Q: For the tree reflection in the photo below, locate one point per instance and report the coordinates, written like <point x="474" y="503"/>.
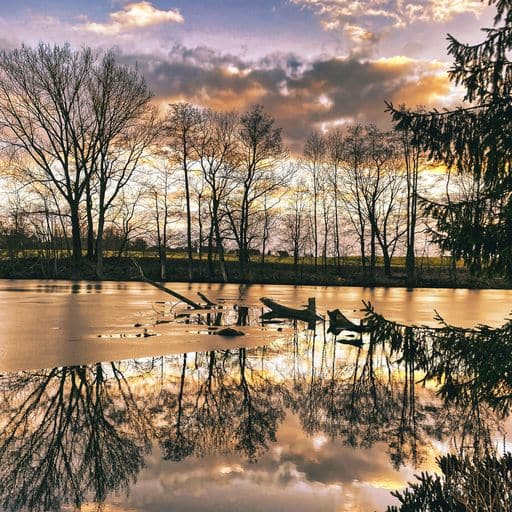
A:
<point x="360" y="399"/>
<point x="178" y="443"/>
<point x="69" y="433"/>
<point x="471" y="371"/>
<point x="79" y="433"/>
<point x="379" y="393"/>
<point x="228" y="408"/>
<point x="469" y="365"/>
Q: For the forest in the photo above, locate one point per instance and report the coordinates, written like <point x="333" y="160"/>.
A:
<point x="94" y="172"/>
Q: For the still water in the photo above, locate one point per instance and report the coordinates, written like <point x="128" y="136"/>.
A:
<point x="95" y="416"/>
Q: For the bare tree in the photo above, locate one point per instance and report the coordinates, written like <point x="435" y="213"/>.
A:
<point x="411" y="158"/>
<point x="160" y="198"/>
<point x="335" y="148"/>
<point x="71" y="120"/>
<point x="261" y="152"/>
<point x="125" y="126"/>
<point x="45" y="116"/>
<point x="182" y="122"/>
<point x="295" y="225"/>
<point x="216" y="149"/>
<point x="268" y="219"/>
<point x="354" y="160"/>
<point x="314" y="153"/>
<point x="381" y="185"/>
<point x="126" y="220"/>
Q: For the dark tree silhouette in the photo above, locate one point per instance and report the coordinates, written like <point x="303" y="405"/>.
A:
<point x="474" y="139"/>
<point x="260" y="151"/>
<point x="71" y="122"/>
<point x="467" y="484"/>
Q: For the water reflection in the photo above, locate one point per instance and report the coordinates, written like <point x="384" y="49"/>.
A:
<point x="68" y="434"/>
<point x="221" y="405"/>
<point x="81" y="434"/>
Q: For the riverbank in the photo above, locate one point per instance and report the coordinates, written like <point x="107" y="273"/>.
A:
<point x="350" y="274"/>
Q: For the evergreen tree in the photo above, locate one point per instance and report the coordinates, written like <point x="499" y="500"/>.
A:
<point x="476" y="140"/>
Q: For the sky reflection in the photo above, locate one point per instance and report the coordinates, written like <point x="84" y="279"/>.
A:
<point x="301" y="424"/>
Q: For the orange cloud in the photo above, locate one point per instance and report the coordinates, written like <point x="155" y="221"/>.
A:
<point x="301" y="95"/>
<point x="427" y="90"/>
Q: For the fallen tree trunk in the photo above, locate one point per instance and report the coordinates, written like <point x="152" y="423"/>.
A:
<point x="207" y="301"/>
<point x="279" y="311"/>
<point x="339" y="322"/>
<point x="163" y="288"/>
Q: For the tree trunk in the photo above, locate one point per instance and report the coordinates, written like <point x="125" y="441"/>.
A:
<point x="99" y="244"/>
<point x="210" y="250"/>
<point x="315" y="223"/>
<point x="90" y="222"/>
<point x="363" y="250"/>
<point x="189" y="225"/>
<point x="162" y="258"/>
<point x="76" y="234"/>
<point x="387" y="261"/>
<point x="200" y="226"/>
<point x="242" y="260"/>
<point x="218" y="238"/>
<point x="243" y="254"/>
<point x="99" y="257"/>
<point x="373" y="253"/>
<point x="220" y="251"/>
<point x="336" y="223"/>
<point x="411" y="157"/>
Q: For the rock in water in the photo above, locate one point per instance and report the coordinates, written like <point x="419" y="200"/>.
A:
<point x="228" y="331"/>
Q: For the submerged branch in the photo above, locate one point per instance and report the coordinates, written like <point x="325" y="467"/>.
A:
<point x="163" y="288"/>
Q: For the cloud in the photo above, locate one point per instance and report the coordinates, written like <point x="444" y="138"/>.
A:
<point x="361" y="40"/>
<point x="445" y="10"/>
<point x="292" y="474"/>
<point x="365" y="20"/>
<point x="301" y="94"/>
<point x="132" y="16"/>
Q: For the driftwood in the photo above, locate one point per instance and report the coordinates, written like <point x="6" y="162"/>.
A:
<point x="163" y="288"/>
<point x="279" y="311"/>
<point x="207" y="301"/>
<point x="339" y="322"/>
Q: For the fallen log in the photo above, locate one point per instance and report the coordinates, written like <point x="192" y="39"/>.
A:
<point x="207" y="301"/>
<point x="163" y="288"/>
<point x="279" y="311"/>
<point x="339" y="322"/>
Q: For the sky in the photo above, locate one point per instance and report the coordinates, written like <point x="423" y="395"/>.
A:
<point x="314" y="64"/>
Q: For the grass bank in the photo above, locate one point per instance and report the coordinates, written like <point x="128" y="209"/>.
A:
<point x="431" y="272"/>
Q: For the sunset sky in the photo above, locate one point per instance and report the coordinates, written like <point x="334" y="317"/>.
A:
<point x="312" y="63"/>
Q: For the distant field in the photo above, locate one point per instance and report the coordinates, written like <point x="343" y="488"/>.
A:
<point x="397" y="261"/>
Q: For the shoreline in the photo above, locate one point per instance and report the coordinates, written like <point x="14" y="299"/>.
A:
<point x="121" y="269"/>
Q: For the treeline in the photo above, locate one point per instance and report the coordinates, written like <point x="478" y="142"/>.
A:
<point x="89" y="164"/>
<point x="217" y="182"/>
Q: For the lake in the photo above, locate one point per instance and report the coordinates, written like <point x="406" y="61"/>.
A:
<point x="116" y="398"/>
